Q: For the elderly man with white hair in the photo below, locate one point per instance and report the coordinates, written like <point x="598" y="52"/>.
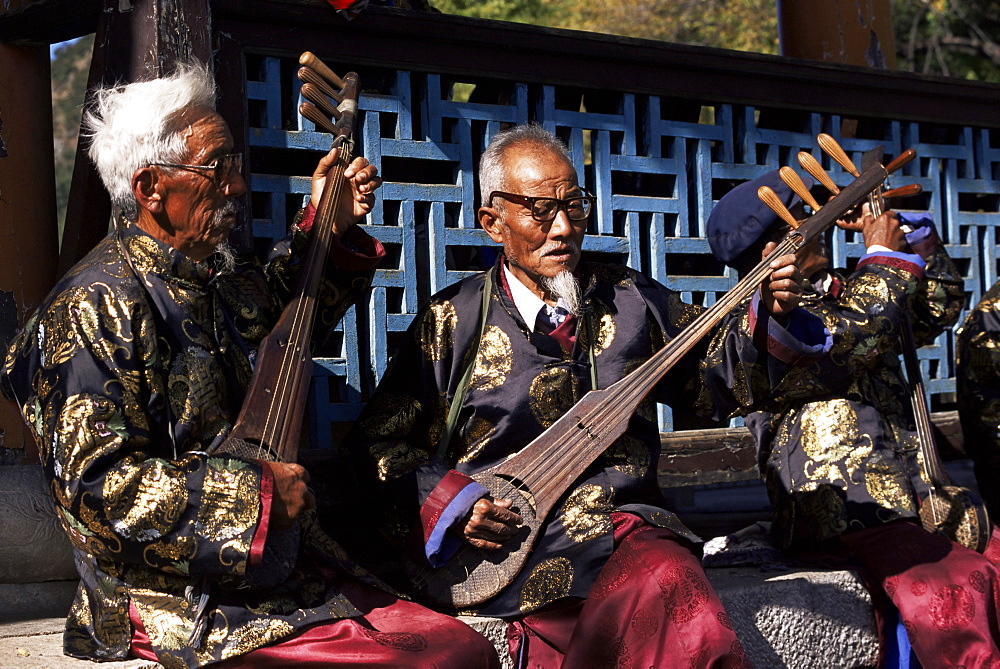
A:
<point x="614" y="579"/>
<point x="134" y="369"/>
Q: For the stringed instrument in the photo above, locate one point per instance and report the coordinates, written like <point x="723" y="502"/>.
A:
<point x="536" y="477"/>
<point x="952" y="511"/>
<point x="269" y="425"/>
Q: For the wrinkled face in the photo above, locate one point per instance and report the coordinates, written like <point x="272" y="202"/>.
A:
<point x="198" y="213"/>
<point x="535" y="250"/>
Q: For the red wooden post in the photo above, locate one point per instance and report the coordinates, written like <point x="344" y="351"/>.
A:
<point x="28" y="231"/>
<point x="853" y="33"/>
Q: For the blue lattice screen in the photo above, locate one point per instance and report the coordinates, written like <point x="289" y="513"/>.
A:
<point x="656" y="165"/>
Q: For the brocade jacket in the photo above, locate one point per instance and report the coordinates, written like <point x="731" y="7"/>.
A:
<point x="127" y="375"/>
<point x="841" y="453"/>
<point x="977" y="354"/>
<point x="522" y="382"/>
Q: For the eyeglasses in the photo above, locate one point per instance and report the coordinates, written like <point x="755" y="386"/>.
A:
<point x="545" y="209"/>
<point x="221" y="168"/>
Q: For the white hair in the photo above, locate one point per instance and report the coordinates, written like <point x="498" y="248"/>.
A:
<point x="133" y="125"/>
<point x="492" y="175"/>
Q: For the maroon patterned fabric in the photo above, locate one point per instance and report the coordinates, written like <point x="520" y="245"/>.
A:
<point x="624" y="622"/>
<point x="393" y="633"/>
<point x="947" y="595"/>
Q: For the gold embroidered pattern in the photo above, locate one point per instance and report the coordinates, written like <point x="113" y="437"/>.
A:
<point x="495" y="360"/>
<point x="144" y="503"/>
<point x="629" y="456"/>
<point x="586" y="514"/>
<point x="230" y="501"/>
<point x="436" y="329"/>
<point x="552" y="393"/>
<point x="549" y="581"/>
<point x="164" y="618"/>
<point x="253" y="635"/>
<point x="88" y="427"/>
<point x="390" y="415"/>
<point x="57" y="340"/>
<point x="478" y="434"/>
<point x="831" y="439"/>
<point x="396" y="458"/>
<point x="889" y="485"/>
<point x="604" y="327"/>
<point x="197" y="391"/>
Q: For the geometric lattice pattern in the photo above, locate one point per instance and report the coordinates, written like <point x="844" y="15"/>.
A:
<point x="657" y="166"/>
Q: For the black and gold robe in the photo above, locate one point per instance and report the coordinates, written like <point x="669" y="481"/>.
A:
<point x="522" y="383"/>
<point x="842" y="451"/>
<point x="127" y="376"/>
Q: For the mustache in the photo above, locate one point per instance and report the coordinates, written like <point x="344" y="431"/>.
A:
<point x="551" y="247"/>
<point x="232" y="207"/>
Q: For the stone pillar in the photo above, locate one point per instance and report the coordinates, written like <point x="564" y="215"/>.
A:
<point x="28" y="229"/>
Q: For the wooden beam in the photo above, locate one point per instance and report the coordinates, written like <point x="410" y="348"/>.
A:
<point x="425" y="41"/>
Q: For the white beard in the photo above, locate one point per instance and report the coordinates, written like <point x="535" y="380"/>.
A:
<point x="225" y="258"/>
<point x="566" y="289"/>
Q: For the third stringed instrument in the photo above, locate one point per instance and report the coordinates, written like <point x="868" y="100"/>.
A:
<point x="950" y="510"/>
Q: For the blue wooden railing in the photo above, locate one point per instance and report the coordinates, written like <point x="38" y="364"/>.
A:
<point x="656" y="161"/>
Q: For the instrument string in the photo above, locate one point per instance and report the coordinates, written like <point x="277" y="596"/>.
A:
<point x="920" y="415"/>
<point x="279" y="419"/>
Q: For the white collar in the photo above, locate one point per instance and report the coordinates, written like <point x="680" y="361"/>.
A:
<point x="528" y="304"/>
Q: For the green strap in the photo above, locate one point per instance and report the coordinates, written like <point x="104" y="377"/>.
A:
<point x="591" y="345"/>
<point x="470" y="364"/>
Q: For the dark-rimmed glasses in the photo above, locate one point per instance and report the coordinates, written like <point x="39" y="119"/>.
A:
<point x="220" y="169"/>
<point x="545" y="209"/>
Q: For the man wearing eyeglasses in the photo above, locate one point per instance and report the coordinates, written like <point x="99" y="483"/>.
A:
<point x="134" y="370"/>
<point x="613" y="579"/>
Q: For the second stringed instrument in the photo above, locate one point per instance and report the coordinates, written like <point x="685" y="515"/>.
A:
<point x="952" y="511"/>
<point x="536" y="477"/>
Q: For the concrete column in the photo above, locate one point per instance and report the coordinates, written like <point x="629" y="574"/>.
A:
<point x="28" y="229"/>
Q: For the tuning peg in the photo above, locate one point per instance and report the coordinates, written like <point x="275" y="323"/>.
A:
<point x="817" y="172"/>
<point x="314" y="95"/>
<point x="310" y="76"/>
<point x="308" y="59"/>
<point x="832" y="148"/>
<point x="309" y="111"/>
<point x="793" y="181"/>
<point x="771" y="199"/>
<point x="900" y="160"/>
<point x="904" y="191"/>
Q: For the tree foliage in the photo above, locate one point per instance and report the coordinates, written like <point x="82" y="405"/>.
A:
<point x="70" y="67"/>
<point x="744" y="25"/>
<point x="956" y="38"/>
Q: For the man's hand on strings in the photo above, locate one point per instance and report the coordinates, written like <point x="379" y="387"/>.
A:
<point x="781" y="291"/>
<point x="490" y="523"/>
<point x="357" y="197"/>
<point x="883" y="231"/>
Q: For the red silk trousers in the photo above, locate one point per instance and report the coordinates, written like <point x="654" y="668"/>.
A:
<point x="651" y="606"/>
<point x="392" y="634"/>
<point x="946" y="594"/>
